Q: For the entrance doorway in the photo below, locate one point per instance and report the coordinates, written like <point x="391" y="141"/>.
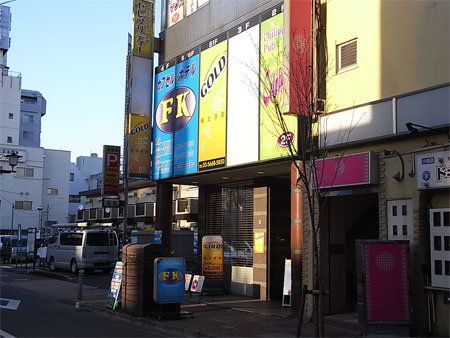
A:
<point x="343" y="220"/>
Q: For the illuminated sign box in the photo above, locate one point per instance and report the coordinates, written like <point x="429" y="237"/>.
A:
<point x="347" y="170"/>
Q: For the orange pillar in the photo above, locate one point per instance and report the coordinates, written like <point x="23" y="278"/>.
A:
<point x="296" y="237"/>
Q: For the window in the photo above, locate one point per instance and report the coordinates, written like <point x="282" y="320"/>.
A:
<point x="107" y="213"/>
<point x="438" y="267"/>
<point x="11" y="116"/>
<point x="9" y="139"/>
<point x="92" y="213"/>
<point x="394" y="230"/>
<point x="23" y="205"/>
<point x="54" y="239"/>
<point x="394" y="210"/>
<point x="437" y="243"/>
<point x="28" y="118"/>
<point x="28" y="135"/>
<point x="346" y="55"/>
<point x="97" y="239"/>
<point x="52" y="191"/>
<point x="28" y="100"/>
<point x="25" y="172"/>
<point x="71" y="238"/>
<point x="120" y="211"/>
<point x="74" y="199"/>
<point x="80" y="215"/>
<point x="140" y="209"/>
<point x="72" y="177"/>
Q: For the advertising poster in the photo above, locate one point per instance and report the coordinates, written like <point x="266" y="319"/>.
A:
<point x="259" y="242"/>
<point x="213" y="103"/>
<point x="139" y="146"/>
<point x="114" y="289"/>
<point x="274" y="141"/>
<point x="164" y="116"/>
<point x="186" y="101"/>
<point x="143" y="20"/>
<point x="243" y="82"/>
<point x="212" y="256"/>
<point x="197" y="283"/>
<point x="169" y="280"/>
<point x="111" y="170"/>
<point x="175" y="11"/>
<point x="31" y="241"/>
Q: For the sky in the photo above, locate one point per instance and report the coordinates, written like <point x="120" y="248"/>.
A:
<point x="74" y="53"/>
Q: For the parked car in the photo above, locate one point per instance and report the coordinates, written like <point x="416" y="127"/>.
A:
<point x="18" y="249"/>
<point x="5" y="249"/>
<point x="87" y="249"/>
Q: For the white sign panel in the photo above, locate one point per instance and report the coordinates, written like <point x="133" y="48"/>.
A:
<point x="175" y="10"/>
<point x="243" y="80"/>
<point x="433" y="170"/>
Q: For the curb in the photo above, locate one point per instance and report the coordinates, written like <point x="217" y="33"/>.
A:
<point x="158" y="325"/>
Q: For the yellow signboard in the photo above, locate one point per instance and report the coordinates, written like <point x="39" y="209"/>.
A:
<point x="212" y="256"/>
<point x="258" y="242"/>
<point x="139" y="146"/>
<point x="143" y="30"/>
<point x="213" y="106"/>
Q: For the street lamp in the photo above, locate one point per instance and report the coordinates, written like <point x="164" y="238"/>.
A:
<point x="13" y="159"/>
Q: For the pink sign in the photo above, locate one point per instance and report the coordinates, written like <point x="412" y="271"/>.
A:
<point x="386" y="279"/>
<point x="354" y="169"/>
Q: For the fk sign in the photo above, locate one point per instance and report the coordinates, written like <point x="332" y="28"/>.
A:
<point x="111" y="170"/>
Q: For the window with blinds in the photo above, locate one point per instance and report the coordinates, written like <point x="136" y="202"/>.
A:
<point x="230" y="215"/>
<point x="346" y="55"/>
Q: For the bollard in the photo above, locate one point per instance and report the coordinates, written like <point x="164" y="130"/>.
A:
<point x="80" y="284"/>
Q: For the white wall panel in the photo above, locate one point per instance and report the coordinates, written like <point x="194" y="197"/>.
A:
<point x="243" y="79"/>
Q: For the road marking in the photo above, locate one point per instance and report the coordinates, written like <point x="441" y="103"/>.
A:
<point x="6" y="266"/>
<point x="12" y="304"/>
<point x="4" y="334"/>
<point x="20" y="279"/>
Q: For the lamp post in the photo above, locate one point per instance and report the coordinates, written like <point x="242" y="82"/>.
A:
<point x="13" y="159"/>
<point x="12" y="218"/>
<point x="39" y="209"/>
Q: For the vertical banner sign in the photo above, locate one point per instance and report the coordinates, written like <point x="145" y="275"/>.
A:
<point x="212" y="256"/>
<point x="143" y="20"/>
<point x="274" y="140"/>
<point x="243" y="82"/>
<point x="213" y="103"/>
<point x="164" y="119"/>
<point x="31" y="241"/>
<point x="175" y="11"/>
<point x="169" y="280"/>
<point x="114" y="289"/>
<point x="186" y="126"/>
<point x="111" y="170"/>
<point x="139" y="146"/>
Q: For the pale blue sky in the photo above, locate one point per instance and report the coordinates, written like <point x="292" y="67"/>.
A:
<point x="74" y="53"/>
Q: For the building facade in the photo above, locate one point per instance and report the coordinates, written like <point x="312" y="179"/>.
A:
<point x="384" y="76"/>
<point x="37" y="193"/>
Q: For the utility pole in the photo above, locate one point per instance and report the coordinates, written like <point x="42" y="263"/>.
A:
<point x="12" y="218"/>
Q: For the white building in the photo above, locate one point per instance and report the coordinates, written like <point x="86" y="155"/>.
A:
<point x="85" y="175"/>
<point x="37" y="193"/>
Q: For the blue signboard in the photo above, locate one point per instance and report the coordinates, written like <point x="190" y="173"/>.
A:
<point x="169" y="280"/>
<point x="164" y="114"/>
<point x="186" y="135"/>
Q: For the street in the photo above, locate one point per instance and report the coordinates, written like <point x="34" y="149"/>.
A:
<point x="25" y="313"/>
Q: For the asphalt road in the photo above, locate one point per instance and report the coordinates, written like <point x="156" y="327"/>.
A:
<point x="27" y="314"/>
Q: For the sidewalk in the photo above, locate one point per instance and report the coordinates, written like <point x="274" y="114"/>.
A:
<point x="217" y="316"/>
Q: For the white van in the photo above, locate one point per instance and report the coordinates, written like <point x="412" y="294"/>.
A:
<point x="87" y="249"/>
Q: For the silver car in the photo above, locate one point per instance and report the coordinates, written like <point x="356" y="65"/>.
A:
<point x="86" y="249"/>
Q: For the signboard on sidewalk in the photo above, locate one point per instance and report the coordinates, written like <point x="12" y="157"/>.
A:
<point x="169" y="282"/>
<point x="197" y="283"/>
<point x="114" y="289"/>
<point x="287" y="283"/>
<point x="212" y="256"/>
